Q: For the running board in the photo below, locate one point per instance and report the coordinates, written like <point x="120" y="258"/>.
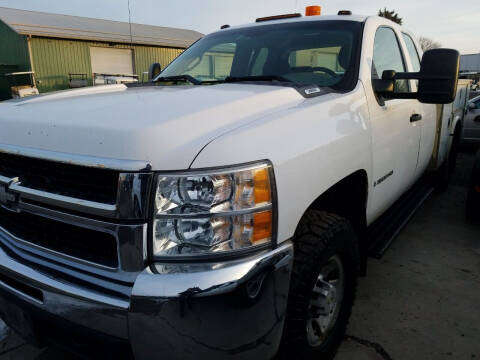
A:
<point x="384" y="230"/>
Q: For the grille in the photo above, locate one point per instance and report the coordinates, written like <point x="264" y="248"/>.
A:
<point x="80" y="182"/>
<point x="86" y="244"/>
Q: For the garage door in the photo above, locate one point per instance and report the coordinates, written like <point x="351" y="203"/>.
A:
<point x="111" y="61"/>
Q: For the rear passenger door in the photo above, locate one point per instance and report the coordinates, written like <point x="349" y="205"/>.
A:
<point x="395" y="137"/>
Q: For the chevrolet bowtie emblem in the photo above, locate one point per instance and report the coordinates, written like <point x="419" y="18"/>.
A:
<point x="8" y="199"/>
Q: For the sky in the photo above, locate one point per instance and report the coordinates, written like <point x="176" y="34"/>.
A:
<point x="455" y="24"/>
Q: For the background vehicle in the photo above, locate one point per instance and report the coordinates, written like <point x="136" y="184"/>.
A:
<point x="226" y="208"/>
<point x="471" y="127"/>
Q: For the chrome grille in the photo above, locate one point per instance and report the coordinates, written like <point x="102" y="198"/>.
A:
<point x="92" y="184"/>
<point x="78" y="242"/>
<point x="82" y="215"/>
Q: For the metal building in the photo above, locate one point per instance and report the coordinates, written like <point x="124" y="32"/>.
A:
<point x="55" y="46"/>
<point x="470" y="63"/>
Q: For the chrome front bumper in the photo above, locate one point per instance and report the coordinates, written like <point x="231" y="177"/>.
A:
<point x="232" y="309"/>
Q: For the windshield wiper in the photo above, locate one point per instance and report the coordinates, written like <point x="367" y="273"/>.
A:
<point x="231" y="79"/>
<point x="228" y="79"/>
<point x="188" y="78"/>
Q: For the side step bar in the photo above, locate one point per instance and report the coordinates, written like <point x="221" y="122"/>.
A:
<point x="384" y="230"/>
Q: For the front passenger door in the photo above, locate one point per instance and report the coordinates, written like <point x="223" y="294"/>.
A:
<point x="395" y="137"/>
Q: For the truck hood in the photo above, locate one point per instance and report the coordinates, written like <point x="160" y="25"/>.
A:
<point x="166" y="126"/>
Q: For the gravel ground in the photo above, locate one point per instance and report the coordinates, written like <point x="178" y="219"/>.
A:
<point x="420" y="301"/>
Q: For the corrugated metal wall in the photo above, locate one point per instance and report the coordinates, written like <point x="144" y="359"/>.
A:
<point x="54" y="59"/>
<point x="13" y="56"/>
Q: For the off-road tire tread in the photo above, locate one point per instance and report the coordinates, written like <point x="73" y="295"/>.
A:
<point x="318" y="233"/>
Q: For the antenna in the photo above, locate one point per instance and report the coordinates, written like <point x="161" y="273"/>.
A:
<point x="130" y="24"/>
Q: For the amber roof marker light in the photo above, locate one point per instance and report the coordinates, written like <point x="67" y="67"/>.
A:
<point x="313" y="10"/>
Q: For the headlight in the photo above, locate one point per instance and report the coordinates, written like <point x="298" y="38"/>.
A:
<point x="209" y="212"/>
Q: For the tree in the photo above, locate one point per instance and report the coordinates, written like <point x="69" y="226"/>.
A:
<point x="428" y="44"/>
<point x="391" y="15"/>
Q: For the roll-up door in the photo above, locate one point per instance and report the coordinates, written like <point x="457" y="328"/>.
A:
<point x="111" y="61"/>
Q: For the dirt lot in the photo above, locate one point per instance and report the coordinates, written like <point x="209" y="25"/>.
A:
<point x="420" y="301"/>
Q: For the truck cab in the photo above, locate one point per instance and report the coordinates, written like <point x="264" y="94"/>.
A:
<point x="221" y="210"/>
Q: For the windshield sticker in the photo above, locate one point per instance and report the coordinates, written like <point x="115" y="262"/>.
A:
<point x="313" y="90"/>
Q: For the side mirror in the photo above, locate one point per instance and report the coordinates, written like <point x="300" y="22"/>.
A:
<point x="154" y="70"/>
<point x="437" y="79"/>
<point x="439" y="76"/>
<point x="472" y="106"/>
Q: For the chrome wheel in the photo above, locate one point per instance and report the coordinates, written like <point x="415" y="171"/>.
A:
<point x="326" y="300"/>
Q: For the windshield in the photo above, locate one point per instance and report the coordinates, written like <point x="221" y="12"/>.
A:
<point x="311" y="52"/>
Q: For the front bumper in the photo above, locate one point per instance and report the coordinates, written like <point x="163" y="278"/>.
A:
<point x="232" y="309"/>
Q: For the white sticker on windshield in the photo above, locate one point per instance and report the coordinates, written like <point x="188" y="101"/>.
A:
<point x="312" y="91"/>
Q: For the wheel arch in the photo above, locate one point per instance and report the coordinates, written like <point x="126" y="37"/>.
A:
<point x="348" y="198"/>
<point x="457" y="125"/>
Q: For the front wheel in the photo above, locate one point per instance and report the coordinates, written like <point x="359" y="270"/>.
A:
<point x="322" y="289"/>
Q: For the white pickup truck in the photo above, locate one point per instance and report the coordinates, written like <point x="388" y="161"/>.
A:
<point x="222" y="210"/>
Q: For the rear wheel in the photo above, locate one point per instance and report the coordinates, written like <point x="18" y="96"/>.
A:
<point x="446" y="170"/>
<point x="322" y="289"/>
<point x="471" y="208"/>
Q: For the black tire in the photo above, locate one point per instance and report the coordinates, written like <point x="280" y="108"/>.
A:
<point x="471" y="206"/>
<point x="319" y="237"/>
<point x="446" y="170"/>
<point x="442" y="177"/>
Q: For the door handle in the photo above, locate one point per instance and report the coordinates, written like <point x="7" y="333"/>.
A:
<point x="415" y="117"/>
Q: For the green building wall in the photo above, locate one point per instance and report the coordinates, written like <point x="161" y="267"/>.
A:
<point x="13" y="56"/>
<point x="54" y="59"/>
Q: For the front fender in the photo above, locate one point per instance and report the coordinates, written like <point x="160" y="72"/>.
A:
<point x="312" y="146"/>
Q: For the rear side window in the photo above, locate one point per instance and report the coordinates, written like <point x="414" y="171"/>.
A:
<point x="412" y="51"/>
<point x="387" y="55"/>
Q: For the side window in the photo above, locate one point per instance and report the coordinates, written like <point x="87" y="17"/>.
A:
<point x="388" y="56"/>
<point x="412" y="51"/>
<point x="478" y="104"/>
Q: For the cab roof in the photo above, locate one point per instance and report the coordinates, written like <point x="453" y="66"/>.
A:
<point x="356" y="18"/>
